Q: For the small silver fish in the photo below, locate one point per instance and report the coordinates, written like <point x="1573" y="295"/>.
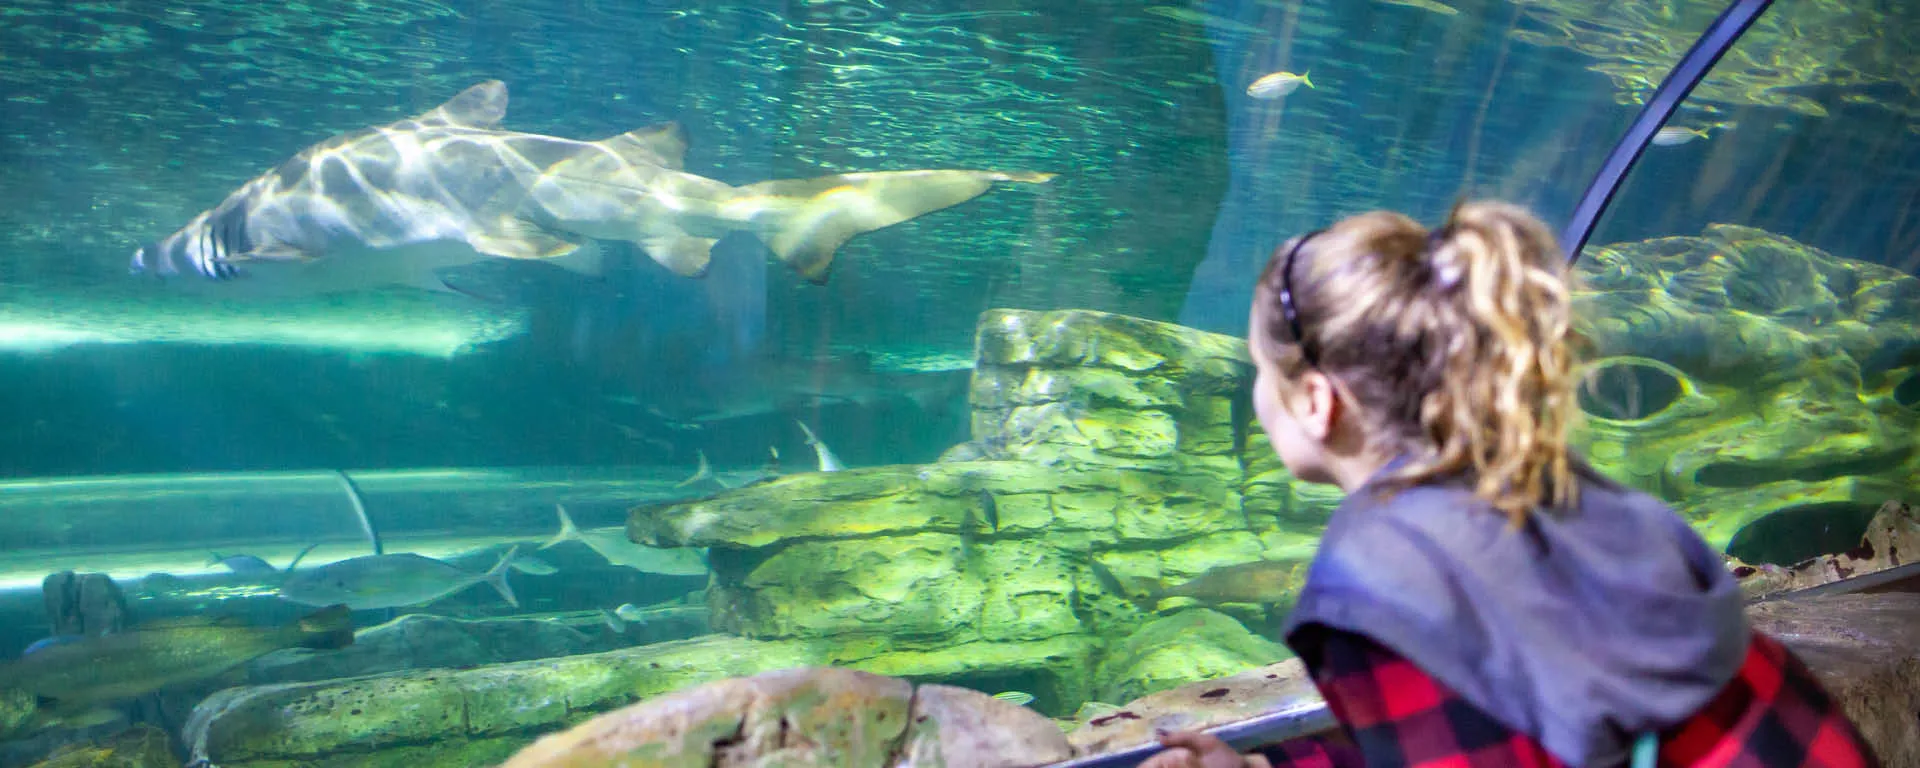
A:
<point x="630" y="612"/>
<point x="1278" y="84"/>
<point x="1018" y="698"/>
<point x="828" y="461"/>
<point x="392" y="581"/>
<point x="1673" y="135"/>
<point x="612" y="543"/>
<point x="1427" y="5"/>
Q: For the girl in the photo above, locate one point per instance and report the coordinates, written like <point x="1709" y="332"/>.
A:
<point x="1482" y="597"/>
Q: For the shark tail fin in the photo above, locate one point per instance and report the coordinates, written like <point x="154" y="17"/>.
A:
<point x="804" y="221"/>
<point x="497" y="577"/>
<point x="704" y="472"/>
<point x="568" y="531"/>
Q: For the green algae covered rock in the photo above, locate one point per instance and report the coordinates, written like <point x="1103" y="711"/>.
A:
<point x="798" y="717"/>
<point x="142" y="746"/>
<point x="445" y="717"/>
<point x="312" y="719"/>
<point x="854" y="503"/>
<point x="1087" y="387"/>
<point x="17" y="708"/>
<point x="1739" y="374"/>
<point x="1194" y="644"/>
<point x="1100" y="441"/>
<point x="807" y="717"/>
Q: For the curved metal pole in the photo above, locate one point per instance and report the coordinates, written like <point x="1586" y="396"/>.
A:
<point x="1705" y="52"/>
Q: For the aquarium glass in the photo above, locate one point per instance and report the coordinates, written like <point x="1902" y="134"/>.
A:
<point x="588" y="351"/>
<point x="1753" y="293"/>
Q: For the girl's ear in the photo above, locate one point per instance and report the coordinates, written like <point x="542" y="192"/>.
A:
<point x="1318" y="406"/>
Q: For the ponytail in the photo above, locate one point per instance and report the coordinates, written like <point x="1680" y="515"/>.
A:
<point x="1457" y="343"/>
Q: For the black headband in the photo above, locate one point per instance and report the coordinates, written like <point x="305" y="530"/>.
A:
<point x="1435" y="238"/>
<point x="1286" y="300"/>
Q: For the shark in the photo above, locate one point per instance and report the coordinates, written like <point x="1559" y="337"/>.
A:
<point x="396" y="203"/>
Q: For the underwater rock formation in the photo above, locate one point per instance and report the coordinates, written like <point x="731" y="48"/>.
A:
<point x="83" y="604"/>
<point x="1107" y="467"/>
<point x="444" y="717"/>
<point x="17" y="708"/>
<point x="1194" y="644"/>
<point x="1739" y="375"/>
<point x="807" y="717"/>
<point x="1198" y="705"/>
<point x="1892" y="539"/>
<point x="449" y="717"/>
<point x="142" y="746"/>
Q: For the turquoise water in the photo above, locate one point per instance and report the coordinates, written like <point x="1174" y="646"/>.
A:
<point x="145" y="426"/>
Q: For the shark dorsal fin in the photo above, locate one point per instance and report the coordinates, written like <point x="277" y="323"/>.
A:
<point x="481" y="106"/>
<point x="665" y="144"/>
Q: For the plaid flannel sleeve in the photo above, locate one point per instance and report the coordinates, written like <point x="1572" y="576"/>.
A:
<point x="1774" y="714"/>
<point x="1395" y="715"/>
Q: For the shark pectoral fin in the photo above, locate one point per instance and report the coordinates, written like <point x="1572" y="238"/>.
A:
<point x="686" y="255"/>
<point x="511" y="238"/>
<point x="805" y="221"/>
<point x="664" y="144"/>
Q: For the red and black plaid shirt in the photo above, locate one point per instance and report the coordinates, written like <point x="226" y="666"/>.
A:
<point x="1774" y="714"/>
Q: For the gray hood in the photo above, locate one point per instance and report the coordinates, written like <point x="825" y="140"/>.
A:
<point x="1581" y="629"/>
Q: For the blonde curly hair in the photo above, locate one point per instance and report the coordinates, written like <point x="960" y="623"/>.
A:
<point x="1457" y="343"/>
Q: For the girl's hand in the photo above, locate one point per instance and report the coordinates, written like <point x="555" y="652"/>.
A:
<point x="1194" y="749"/>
